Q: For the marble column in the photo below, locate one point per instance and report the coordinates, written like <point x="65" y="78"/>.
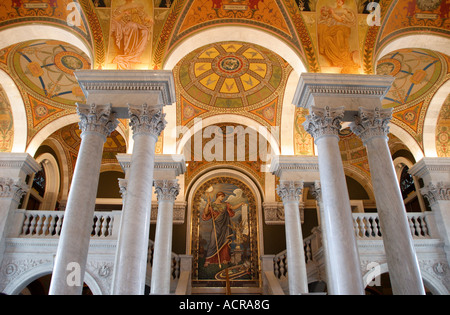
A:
<point x="435" y="173"/>
<point x="147" y="124"/>
<point x="294" y="172"/>
<point x="167" y="190"/>
<point x="96" y="123"/>
<point x="371" y="125"/>
<point x="344" y="268"/>
<point x="290" y="192"/>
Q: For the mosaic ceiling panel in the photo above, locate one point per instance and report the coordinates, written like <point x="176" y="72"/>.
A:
<point x="418" y="75"/>
<point x="231" y="77"/>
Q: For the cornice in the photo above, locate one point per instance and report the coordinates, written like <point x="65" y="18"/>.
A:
<point x="341" y="85"/>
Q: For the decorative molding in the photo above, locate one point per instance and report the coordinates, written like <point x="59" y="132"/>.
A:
<point x="166" y="189"/>
<point x="273" y="213"/>
<point x="339" y="85"/>
<point x="12" y="188"/>
<point x="179" y="212"/>
<point x="20" y="161"/>
<point x="436" y="192"/>
<point x="324" y="122"/>
<point x="372" y="123"/>
<point x="289" y="164"/>
<point x="96" y="118"/>
<point x="123" y="183"/>
<point x="146" y="121"/>
<point x="290" y="191"/>
<point x="137" y="85"/>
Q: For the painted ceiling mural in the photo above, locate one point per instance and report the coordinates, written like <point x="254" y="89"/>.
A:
<point x="231" y="77"/>
<point x="418" y="73"/>
<point x="227" y="77"/>
<point x="43" y="71"/>
<point x="6" y="123"/>
<point x="443" y="130"/>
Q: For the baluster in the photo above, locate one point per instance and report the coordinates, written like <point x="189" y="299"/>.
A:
<point x="58" y="225"/>
<point x="424" y="225"/>
<point x="110" y="226"/>
<point x="96" y="225"/>
<point x="356" y="226"/>
<point x="308" y="254"/>
<point x="366" y="229"/>
<point x="276" y="267"/>
<point x="375" y="225"/>
<point x="51" y="226"/>
<point x="32" y="224"/>
<point x="25" y="224"/>
<point x="45" y="224"/>
<point x="411" y="226"/>
<point x="104" y="225"/>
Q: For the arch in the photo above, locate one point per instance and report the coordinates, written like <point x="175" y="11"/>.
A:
<point x="408" y="140"/>
<point x="19" y="283"/>
<point x="18" y="112"/>
<point x="199" y="124"/>
<point x="57" y="124"/>
<point x="431" y="118"/>
<point x="288" y="116"/>
<point x="431" y="282"/>
<point x="52" y="182"/>
<point x="34" y="31"/>
<point x="439" y="43"/>
<point x="235" y="33"/>
<point x="232" y="171"/>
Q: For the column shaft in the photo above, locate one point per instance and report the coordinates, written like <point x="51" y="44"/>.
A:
<point x="404" y="272"/>
<point x="289" y="192"/>
<point x="73" y="246"/>
<point x="132" y="251"/>
<point x="344" y="273"/>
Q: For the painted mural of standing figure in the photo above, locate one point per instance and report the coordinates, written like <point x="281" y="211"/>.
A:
<point x="131" y="28"/>
<point x="220" y="212"/>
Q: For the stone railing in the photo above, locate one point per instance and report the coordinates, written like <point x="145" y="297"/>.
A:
<point x="367" y="228"/>
<point x="367" y="225"/>
<point x="47" y="224"/>
<point x="43" y="227"/>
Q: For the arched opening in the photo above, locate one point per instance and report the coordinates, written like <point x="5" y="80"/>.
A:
<point x="40" y="286"/>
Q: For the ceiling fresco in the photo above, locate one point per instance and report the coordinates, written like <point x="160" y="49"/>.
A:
<point x="43" y="72"/>
<point x="418" y="73"/>
<point x="225" y="77"/>
<point x="231" y="77"/>
<point x="6" y="123"/>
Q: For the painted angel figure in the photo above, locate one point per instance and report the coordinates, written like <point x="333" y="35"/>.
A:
<point x="131" y="29"/>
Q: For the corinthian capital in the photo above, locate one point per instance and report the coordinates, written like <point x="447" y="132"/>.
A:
<point x="97" y="118"/>
<point x="324" y="121"/>
<point x="12" y="188"/>
<point x="434" y="193"/>
<point x="372" y="123"/>
<point x="166" y="189"/>
<point x="146" y="120"/>
<point x="290" y="190"/>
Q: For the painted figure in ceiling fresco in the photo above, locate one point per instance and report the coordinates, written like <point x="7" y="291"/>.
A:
<point x="131" y="28"/>
<point x="334" y="30"/>
<point x="220" y="213"/>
